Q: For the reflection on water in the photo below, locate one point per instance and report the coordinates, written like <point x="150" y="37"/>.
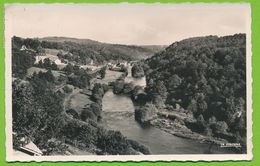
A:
<point x="136" y="81"/>
<point x="118" y="114"/>
<point x="116" y="103"/>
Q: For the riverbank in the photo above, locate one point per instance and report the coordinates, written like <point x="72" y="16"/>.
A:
<point x="119" y="114"/>
<point x="175" y="127"/>
<point x="182" y="124"/>
<point x="178" y="128"/>
<point x="173" y="122"/>
<point x="84" y="110"/>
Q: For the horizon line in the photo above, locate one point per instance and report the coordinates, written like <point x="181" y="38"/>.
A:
<point x="78" y="38"/>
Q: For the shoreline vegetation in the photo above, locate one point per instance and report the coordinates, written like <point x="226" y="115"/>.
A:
<point x="82" y="133"/>
<point x="44" y="114"/>
<point x="182" y="96"/>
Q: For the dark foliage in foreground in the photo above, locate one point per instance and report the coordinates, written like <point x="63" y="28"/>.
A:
<point x="21" y="60"/>
<point x="37" y="110"/>
<point x="38" y="101"/>
<point x="39" y="116"/>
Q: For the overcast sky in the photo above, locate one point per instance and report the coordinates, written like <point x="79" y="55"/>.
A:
<point x="127" y="23"/>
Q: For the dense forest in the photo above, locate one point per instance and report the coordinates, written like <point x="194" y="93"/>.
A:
<point x="38" y="116"/>
<point x="83" y="51"/>
<point x="204" y="77"/>
<point x="39" y="113"/>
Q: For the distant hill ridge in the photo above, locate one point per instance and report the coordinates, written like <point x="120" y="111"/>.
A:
<point x="120" y="51"/>
<point x="69" y="39"/>
<point x="153" y="48"/>
<point x="85" y="50"/>
<point x="90" y="41"/>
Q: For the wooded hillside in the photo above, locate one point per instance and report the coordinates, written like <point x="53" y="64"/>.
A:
<point x="206" y="77"/>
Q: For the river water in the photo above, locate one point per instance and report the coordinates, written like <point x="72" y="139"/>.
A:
<point x="118" y="114"/>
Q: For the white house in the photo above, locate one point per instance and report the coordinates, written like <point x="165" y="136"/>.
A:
<point x="24" y="48"/>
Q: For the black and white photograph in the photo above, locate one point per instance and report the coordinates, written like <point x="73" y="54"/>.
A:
<point x="128" y="82"/>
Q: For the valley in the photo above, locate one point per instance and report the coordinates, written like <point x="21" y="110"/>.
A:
<point x="89" y="97"/>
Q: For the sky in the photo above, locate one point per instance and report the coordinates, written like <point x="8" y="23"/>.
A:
<point x="139" y="24"/>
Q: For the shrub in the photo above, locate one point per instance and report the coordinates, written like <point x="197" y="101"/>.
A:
<point x="73" y="113"/>
<point x="113" y="142"/>
<point x="88" y="114"/>
<point x="67" y="89"/>
<point x="96" y="109"/>
<point x="137" y="71"/>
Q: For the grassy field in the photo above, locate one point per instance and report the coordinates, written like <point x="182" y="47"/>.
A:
<point x="52" y="51"/>
<point x="78" y="101"/>
<point x="110" y="77"/>
<point x="31" y="70"/>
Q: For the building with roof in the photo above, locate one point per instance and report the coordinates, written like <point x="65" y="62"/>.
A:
<point x="29" y="149"/>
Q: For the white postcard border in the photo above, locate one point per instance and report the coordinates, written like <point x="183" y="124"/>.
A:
<point x="180" y="157"/>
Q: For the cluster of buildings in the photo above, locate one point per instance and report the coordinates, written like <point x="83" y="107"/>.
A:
<point x="117" y="66"/>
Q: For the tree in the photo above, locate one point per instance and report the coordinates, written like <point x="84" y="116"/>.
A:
<point x="54" y="146"/>
<point x="47" y="76"/>
<point x="73" y="113"/>
<point x="21" y="61"/>
<point x="54" y="66"/>
<point x="146" y="113"/>
<point x="137" y="71"/>
<point x="40" y="63"/>
<point x="88" y="114"/>
<point x="161" y="90"/>
<point x="97" y="92"/>
<point x="125" y="70"/>
<point x="68" y="68"/>
<point x="32" y="43"/>
<point x="201" y="123"/>
<point x="103" y="72"/>
<point x="81" y="81"/>
<point x="113" y="142"/>
<point x="128" y="88"/>
<point x="220" y="127"/>
<point x="159" y="102"/>
<point x="174" y="82"/>
<point x="26" y="112"/>
<point x="118" y="87"/>
<point x="68" y="89"/>
<point x="206" y="75"/>
<point x="47" y="63"/>
<point x="193" y="106"/>
<point x="105" y="87"/>
<point x="36" y="110"/>
<point x="96" y="109"/>
<point x="201" y="104"/>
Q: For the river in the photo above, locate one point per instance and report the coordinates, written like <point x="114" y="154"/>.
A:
<point x="118" y="114"/>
